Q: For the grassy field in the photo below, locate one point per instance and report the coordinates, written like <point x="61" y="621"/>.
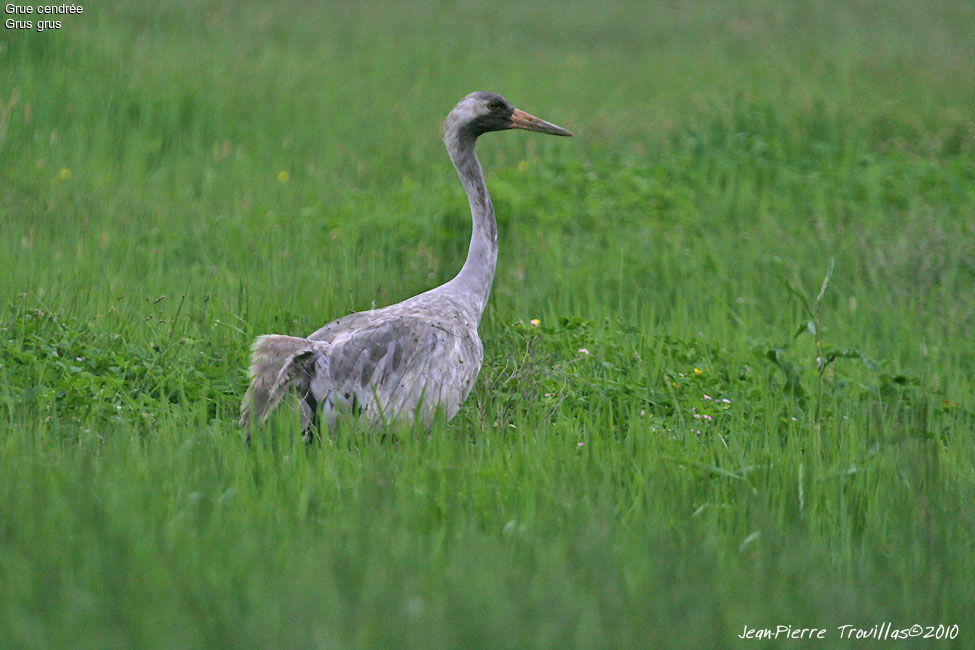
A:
<point x="662" y="461"/>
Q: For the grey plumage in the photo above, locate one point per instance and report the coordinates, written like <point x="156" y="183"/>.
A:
<point x="409" y="359"/>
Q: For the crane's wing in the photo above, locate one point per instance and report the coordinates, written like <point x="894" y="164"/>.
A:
<point x="401" y="366"/>
<point x="347" y="323"/>
<point x="392" y="367"/>
<point x="278" y="365"/>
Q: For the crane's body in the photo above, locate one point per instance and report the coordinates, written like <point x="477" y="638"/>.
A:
<point x="407" y="360"/>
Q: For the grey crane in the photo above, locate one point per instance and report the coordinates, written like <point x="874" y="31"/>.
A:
<point x="409" y="359"/>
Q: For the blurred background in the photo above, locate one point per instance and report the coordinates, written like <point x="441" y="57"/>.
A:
<point x="188" y="128"/>
<point x="155" y="138"/>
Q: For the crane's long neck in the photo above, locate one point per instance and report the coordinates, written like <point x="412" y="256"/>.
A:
<point x="473" y="283"/>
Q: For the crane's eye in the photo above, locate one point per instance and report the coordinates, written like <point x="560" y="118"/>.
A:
<point x="495" y="106"/>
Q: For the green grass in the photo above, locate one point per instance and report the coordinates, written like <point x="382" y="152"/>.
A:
<point x="728" y="157"/>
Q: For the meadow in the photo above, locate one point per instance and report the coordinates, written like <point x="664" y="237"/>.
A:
<point x="728" y="354"/>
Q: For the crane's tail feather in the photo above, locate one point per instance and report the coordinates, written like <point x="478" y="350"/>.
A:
<point x="278" y="365"/>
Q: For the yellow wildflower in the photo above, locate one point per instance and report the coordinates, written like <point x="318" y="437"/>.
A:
<point x="283" y="176"/>
<point x="64" y="174"/>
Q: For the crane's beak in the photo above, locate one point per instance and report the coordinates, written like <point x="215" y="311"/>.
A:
<point x="522" y="120"/>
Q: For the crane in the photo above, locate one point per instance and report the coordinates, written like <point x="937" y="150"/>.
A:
<point x="407" y="360"/>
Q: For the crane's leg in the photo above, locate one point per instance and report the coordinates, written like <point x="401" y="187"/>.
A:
<point x="310" y="420"/>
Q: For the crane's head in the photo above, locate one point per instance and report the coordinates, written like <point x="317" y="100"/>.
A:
<point x="481" y="112"/>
